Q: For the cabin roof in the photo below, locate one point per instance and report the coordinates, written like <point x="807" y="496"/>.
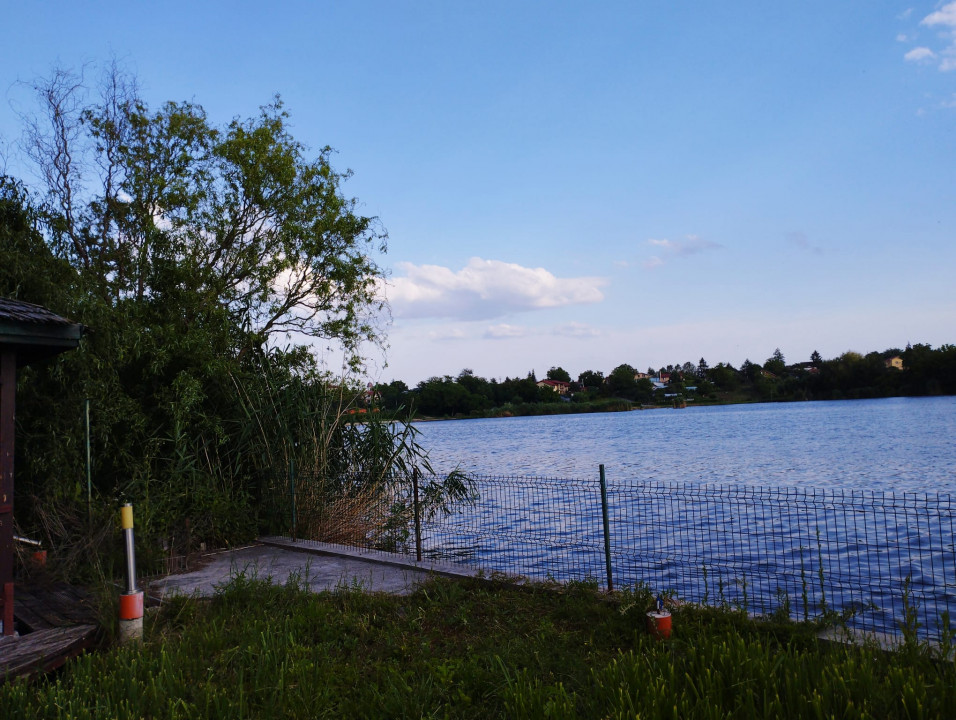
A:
<point x="35" y="333"/>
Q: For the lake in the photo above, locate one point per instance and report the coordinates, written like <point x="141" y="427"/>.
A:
<point x="817" y="505"/>
<point x="900" y="444"/>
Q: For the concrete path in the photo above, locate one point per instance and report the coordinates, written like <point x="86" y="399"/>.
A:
<point x="320" y="565"/>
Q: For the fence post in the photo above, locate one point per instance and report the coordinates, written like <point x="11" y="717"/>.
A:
<point x="89" y="465"/>
<point x="607" y="530"/>
<point x="292" y="496"/>
<point x="418" y="517"/>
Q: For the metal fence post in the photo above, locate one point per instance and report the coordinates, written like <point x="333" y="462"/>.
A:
<point x="418" y="517"/>
<point x="607" y="530"/>
<point x="292" y="495"/>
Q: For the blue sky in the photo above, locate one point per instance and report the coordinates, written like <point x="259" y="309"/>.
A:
<point x="590" y="184"/>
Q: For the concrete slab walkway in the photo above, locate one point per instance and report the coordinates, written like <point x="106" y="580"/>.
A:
<point x="322" y="566"/>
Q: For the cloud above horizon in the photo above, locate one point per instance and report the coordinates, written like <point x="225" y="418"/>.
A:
<point x="576" y="330"/>
<point x="504" y="331"/>
<point x="919" y="53"/>
<point x="943" y="19"/>
<point x="485" y="289"/>
<point x="690" y="245"/>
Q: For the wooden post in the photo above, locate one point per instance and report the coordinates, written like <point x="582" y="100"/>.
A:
<point x="8" y="388"/>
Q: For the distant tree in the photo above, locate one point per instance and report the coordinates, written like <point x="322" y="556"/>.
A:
<point x="480" y="389"/>
<point x="776" y="363"/>
<point x="705" y="387"/>
<point x="394" y="395"/>
<point x="724" y="376"/>
<point x="621" y="382"/>
<point x="749" y="370"/>
<point x="702" y="368"/>
<point x="591" y="379"/>
<point x="560" y="374"/>
<point x="815" y="358"/>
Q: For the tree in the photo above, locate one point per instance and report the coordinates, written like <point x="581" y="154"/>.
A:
<point x="702" y="368"/>
<point x="621" y="382"/>
<point x="724" y="376"/>
<point x="591" y="379"/>
<point x="815" y="358"/>
<point x="559" y="373"/>
<point x="189" y="250"/>
<point x="161" y="207"/>
<point x="776" y="363"/>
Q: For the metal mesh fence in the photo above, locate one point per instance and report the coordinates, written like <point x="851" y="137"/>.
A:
<point x="801" y="551"/>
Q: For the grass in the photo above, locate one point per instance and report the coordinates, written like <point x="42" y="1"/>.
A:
<point x="476" y="649"/>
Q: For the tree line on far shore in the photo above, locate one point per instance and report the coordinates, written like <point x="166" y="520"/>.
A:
<point x="924" y="371"/>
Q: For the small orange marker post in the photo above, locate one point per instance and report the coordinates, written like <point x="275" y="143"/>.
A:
<point x="131" y="602"/>
<point x="658" y="621"/>
<point x="659" y="624"/>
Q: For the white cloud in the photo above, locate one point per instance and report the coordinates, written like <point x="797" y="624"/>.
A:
<point x="945" y="19"/>
<point x="485" y="289"/>
<point x="503" y="331"/>
<point x="690" y="245"/>
<point x="902" y="37"/>
<point x="918" y="54"/>
<point x="443" y="334"/>
<point x="946" y="15"/>
<point x="576" y="330"/>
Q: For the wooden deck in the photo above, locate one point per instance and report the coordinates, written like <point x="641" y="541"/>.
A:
<point x="57" y="622"/>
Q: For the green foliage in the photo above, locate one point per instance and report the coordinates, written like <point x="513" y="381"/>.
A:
<point x="559" y="373"/>
<point x="476" y="649"/>
<point x="591" y="380"/>
<point x="186" y="249"/>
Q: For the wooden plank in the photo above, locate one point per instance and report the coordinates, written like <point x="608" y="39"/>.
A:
<point x="56" y="605"/>
<point x="44" y="650"/>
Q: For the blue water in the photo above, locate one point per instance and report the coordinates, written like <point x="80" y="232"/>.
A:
<point x="835" y="504"/>
<point x="900" y="444"/>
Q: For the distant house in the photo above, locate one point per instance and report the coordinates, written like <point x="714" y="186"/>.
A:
<point x="641" y="376"/>
<point x="895" y="362"/>
<point x="559" y="386"/>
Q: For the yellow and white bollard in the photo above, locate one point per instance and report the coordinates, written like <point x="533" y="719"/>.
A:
<point x="131" y="602"/>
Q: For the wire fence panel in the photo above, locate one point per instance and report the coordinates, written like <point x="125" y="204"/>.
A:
<point x="541" y="528"/>
<point x="800" y="551"/>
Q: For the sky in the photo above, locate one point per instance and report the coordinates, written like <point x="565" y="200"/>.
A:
<point x="588" y="184"/>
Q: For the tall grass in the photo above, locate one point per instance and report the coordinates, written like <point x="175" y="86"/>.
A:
<point x="329" y="473"/>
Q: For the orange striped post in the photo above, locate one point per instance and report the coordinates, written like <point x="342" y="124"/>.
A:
<point x="131" y="602"/>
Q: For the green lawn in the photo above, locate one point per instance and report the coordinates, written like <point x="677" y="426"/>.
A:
<point x="477" y="649"/>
